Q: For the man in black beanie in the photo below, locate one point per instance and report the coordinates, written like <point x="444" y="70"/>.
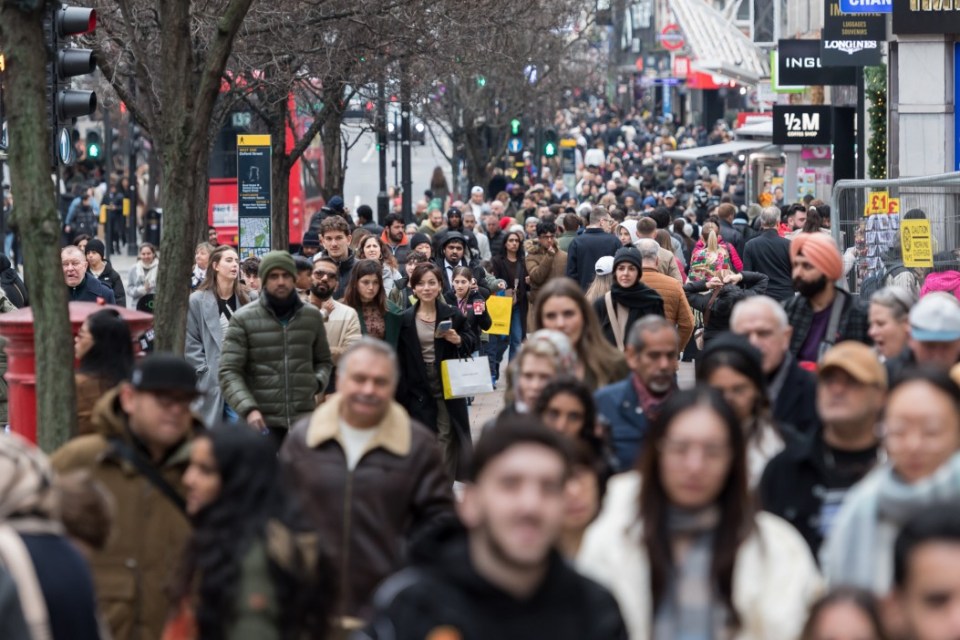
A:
<point x="275" y="353"/>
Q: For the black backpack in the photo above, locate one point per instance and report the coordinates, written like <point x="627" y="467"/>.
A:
<point x="85" y="222"/>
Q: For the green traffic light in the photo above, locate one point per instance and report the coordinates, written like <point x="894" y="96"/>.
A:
<point x="481" y="81"/>
<point x="549" y="149"/>
<point x="93" y="150"/>
<point x="515" y="127"/>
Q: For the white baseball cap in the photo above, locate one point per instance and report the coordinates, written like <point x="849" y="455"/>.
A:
<point x="604" y="266"/>
<point x="476" y="190"/>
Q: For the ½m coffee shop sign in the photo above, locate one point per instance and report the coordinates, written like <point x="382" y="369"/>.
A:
<point x="802" y="124"/>
<point x="926" y="16"/>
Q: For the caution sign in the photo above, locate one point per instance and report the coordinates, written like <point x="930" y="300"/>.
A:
<point x="916" y="243"/>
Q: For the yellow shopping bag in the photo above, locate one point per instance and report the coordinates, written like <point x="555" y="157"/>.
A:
<point x="499" y="308"/>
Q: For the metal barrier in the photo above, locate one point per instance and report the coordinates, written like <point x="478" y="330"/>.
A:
<point x="871" y="244"/>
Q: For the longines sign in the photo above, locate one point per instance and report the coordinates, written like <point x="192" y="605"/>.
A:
<point x="926" y="16"/>
<point x="799" y="63"/>
<point x="851" y="40"/>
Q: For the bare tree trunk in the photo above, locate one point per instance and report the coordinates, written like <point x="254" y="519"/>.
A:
<point x="35" y="216"/>
<point x="280" y="186"/>
<point x="332" y="156"/>
<point x="183" y="130"/>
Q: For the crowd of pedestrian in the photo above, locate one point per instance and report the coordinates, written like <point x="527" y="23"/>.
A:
<point x="307" y="469"/>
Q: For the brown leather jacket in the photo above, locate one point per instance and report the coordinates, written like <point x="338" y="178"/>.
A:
<point x="367" y="516"/>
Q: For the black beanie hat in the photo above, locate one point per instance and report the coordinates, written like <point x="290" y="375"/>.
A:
<point x="417" y="239"/>
<point x="726" y="342"/>
<point x="96" y="246"/>
<point x="628" y="254"/>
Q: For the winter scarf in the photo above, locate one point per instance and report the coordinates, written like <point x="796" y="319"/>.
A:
<point x="859" y="550"/>
<point x="639" y="296"/>
<point x="689" y="608"/>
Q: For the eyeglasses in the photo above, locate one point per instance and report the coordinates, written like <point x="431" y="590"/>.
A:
<point x="679" y="449"/>
<point x="896" y="434"/>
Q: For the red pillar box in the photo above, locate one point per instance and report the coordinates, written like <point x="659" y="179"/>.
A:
<point x="17" y="328"/>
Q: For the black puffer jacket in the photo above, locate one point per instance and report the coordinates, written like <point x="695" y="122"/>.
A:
<point x="112" y="279"/>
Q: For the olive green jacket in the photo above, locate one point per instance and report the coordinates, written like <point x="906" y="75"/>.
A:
<point x="275" y="367"/>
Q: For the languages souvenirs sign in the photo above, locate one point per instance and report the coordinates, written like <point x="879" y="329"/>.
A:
<point x="799" y="64"/>
<point x="802" y="124"/>
<point x="851" y="40"/>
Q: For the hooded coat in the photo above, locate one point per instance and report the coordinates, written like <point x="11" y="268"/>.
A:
<point x="12" y="285"/>
<point x="149" y="531"/>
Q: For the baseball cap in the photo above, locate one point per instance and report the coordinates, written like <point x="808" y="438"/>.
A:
<point x="604" y="266"/>
<point x="857" y="360"/>
<point x="476" y="190"/>
<point x="165" y="372"/>
<point x="935" y="318"/>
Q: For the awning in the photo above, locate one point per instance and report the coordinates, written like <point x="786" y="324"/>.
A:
<point x="718" y="46"/>
<point x="715" y="150"/>
<point x="761" y="129"/>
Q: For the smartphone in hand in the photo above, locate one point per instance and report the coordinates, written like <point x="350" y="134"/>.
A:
<point x="444" y="326"/>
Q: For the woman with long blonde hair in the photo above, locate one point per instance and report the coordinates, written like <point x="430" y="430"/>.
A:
<point x="562" y="306"/>
<point x="710" y="256"/>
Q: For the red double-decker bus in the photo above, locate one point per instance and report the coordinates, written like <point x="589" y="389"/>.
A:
<point x="306" y="176"/>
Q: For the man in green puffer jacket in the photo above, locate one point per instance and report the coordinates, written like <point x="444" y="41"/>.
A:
<point x="275" y="353"/>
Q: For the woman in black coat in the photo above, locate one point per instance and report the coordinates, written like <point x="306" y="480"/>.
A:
<point x="730" y="288"/>
<point x="12" y="285"/>
<point x="420" y="351"/>
<point x="628" y="294"/>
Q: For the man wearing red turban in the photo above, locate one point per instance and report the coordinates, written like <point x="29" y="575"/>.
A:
<point x="821" y="314"/>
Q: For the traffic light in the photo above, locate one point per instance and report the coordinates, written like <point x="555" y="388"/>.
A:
<point x="94" y="145"/>
<point x="516" y="128"/>
<point x="550" y="143"/>
<point x="66" y="104"/>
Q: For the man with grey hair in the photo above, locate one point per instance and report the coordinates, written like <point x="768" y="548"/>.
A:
<point x="371" y="477"/>
<point x="792" y="390"/>
<point x="630" y="405"/>
<point x="675" y="305"/>
<point x="593" y="244"/>
<point x="82" y="286"/>
<point x="770" y="254"/>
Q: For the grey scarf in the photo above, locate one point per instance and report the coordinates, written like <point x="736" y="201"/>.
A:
<point x="882" y="497"/>
<point x="690" y="610"/>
